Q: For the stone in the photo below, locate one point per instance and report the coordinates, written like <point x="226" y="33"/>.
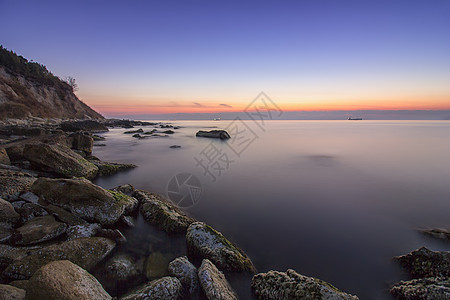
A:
<point x="137" y="135"/>
<point x="59" y="159"/>
<point x="6" y="233"/>
<point x="168" y="288"/>
<point x="168" y="131"/>
<point x="38" y="230"/>
<point x="82" y="230"/>
<point x="126" y="189"/>
<point x="291" y="285"/>
<point x="7" y="213"/>
<point x="85" y="125"/>
<point x="162" y="213"/>
<point x="29" y="211"/>
<point x="204" y="241"/>
<point x="82" y="141"/>
<point x="4" y="158"/>
<point x="121" y="270"/>
<point x="214" y="283"/>
<point x="63" y="280"/>
<point x="112" y="234"/>
<point x="20" y="284"/>
<point x="216" y="134"/>
<point x="439" y="233"/>
<point x="426" y="263"/>
<point x="109" y="168"/>
<point x="175" y="146"/>
<point x="9" y="292"/>
<point x="140" y="130"/>
<point x="84" y="199"/>
<point x="14" y="182"/>
<point x="127" y="221"/>
<point x="29" y="197"/>
<point x="156" y="266"/>
<point x="186" y="272"/>
<point x="433" y="288"/>
<point x="85" y="252"/>
<point x="64" y="216"/>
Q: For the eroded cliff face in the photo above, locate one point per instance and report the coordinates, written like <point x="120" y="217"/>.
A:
<point x="22" y="98"/>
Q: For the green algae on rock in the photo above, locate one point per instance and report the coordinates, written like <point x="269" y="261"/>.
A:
<point x="169" y="288"/>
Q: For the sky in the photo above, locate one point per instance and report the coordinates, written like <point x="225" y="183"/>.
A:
<point x="164" y="56"/>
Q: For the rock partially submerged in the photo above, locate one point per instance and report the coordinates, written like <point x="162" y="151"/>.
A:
<point x="439" y="233"/>
<point x="64" y="280"/>
<point x="121" y="270"/>
<point x="140" y="130"/>
<point x="162" y="213"/>
<point x="426" y="263"/>
<point x="84" y="199"/>
<point x="186" y="272"/>
<point x="108" y="168"/>
<point x="206" y="242"/>
<point x="156" y="266"/>
<point x="214" y="283"/>
<point x="291" y="285"/>
<point x="59" y="159"/>
<point x="433" y="288"/>
<point x="85" y="125"/>
<point x="168" y="288"/>
<point x="85" y="252"/>
<point x="216" y="134"/>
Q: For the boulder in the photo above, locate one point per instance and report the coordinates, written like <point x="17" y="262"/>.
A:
<point x="140" y="130"/>
<point x="85" y="252"/>
<point x="64" y="216"/>
<point x="82" y="141"/>
<point x="9" y="292"/>
<point x="38" y="230"/>
<point x="29" y="211"/>
<point x="86" y="125"/>
<point x="156" y="266"/>
<point x="63" y="280"/>
<point x="291" y="285"/>
<point x="439" y="233"/>
<point x="433" y="288"/>
<point x="126" y="189"/>
<point x="214" y="283"/>
<point x="84" y="199"/>
<point x="186" y="272"/>
<point x="204" y="241"/>
<point x="168" y="288"/>
<point x="7" y="213"/>
<point x="59" y="159"/>
<point x="168" y="132"/>
<point x="4" y="158"/>
<point x="29" y="197"/>
<point x="121" y="271"/>
<point x="162" y="213"/>
<point x="14" y="182"/>
<point x="426" y="263"/>
<point x="82" y="230"/>
<point x="108" y="168"/>
<point x="216" y="134"/>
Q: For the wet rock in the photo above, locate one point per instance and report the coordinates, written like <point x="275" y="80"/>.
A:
<point x="140" y="130"/>
<point x="4" y="158"/>
<point x="426" y="263"/>
<point x="126" y="189"/>
<point x="59" y="159"/>
<point x="82" y="141"/>
<point x="150" y="132"/>
<point x="204" y="241"/>
<point x="98" y="138"/>
<point x="82" y="230"/>
<point x="433" y="288"/>
<point x="175" y="146"/>
<point x="168" y="288"/>
<point x="38" y="230"/>
<point x="186" y="272"/>
<point x="9" y="292"/>
<point x="168" y="131"/>
<point x="7" y="213"/>
<point x="291" y="285"/>
<point x="216" y="134"/>
<point x="86" y="125"/>
<point x="112" y="234"/>
<point x="29" y="197"/>
<point x="137" y="135"/>
<point x="64" y="216"/>
<point x="214" y="283"/>
<point x="121" y="270"/>
<point x="29" y="211"/>
<point x="64" y="280"/>
<point x="156" y="266"/>
<point x="439" y="233"/>
<point x="84" y="199"/>
<point x="8" y="253"/>
<point x="14" y="182"/>
<point x="85" y="252"/>
<point x="108" y="168"/>
<point x="162" y="213"/>
<point x="127" y="221"/>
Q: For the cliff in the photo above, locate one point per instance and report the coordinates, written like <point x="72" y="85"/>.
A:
<point x="28" y="89"/>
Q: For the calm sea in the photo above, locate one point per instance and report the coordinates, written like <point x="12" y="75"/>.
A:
<point x="331" y="199"/>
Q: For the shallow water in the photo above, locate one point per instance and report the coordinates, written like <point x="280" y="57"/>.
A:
<point x="331" y="199"/>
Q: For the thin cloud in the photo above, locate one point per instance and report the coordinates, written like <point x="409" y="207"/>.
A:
<point x="225" y="105"/>
<point x="197" y="104"/>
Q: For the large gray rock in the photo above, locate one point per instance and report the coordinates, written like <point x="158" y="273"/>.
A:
<point x="186" y="272"/>
<point x="82" y="230"/>
<point x="84" y="199"/>
<point x="162" y="213"/>
<point x="121" y="270"/>
<point x="426" y="263"/>
<point x="82" y="141"/>
<point x="59" y="159"/>
<point x="204" y="241"/>
<point x="7" y="213"/>
<point x="291" y="285"/>
<point x="29" y="211"/>
<point x="14" y="182"/>
<point x="108" y="168"/>
<point x="4" y="158"/>
<point x="63" y="280"/>
<point x="216" y="134"/>
<point x="85" y="252"/>
<point x="38" y="230"/>
<point x="433" y="288"/>
<point x="168" y="288"/>
<point x="9" y="292"/>
<point x="214" y="283"/>
<point x="63" y="215"/>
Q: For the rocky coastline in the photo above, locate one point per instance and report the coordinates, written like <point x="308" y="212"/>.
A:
<point x="61" y="236"/>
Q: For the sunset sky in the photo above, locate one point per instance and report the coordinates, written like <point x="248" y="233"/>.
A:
<point x="137" y="57"/>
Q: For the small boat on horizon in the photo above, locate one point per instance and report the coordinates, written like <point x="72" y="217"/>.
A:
<point x="354" y="119"/>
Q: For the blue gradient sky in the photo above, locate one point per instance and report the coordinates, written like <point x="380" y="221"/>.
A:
<point x="167" y="56"/>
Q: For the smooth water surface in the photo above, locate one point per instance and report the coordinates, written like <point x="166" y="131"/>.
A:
<point x="331" y="199"/>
